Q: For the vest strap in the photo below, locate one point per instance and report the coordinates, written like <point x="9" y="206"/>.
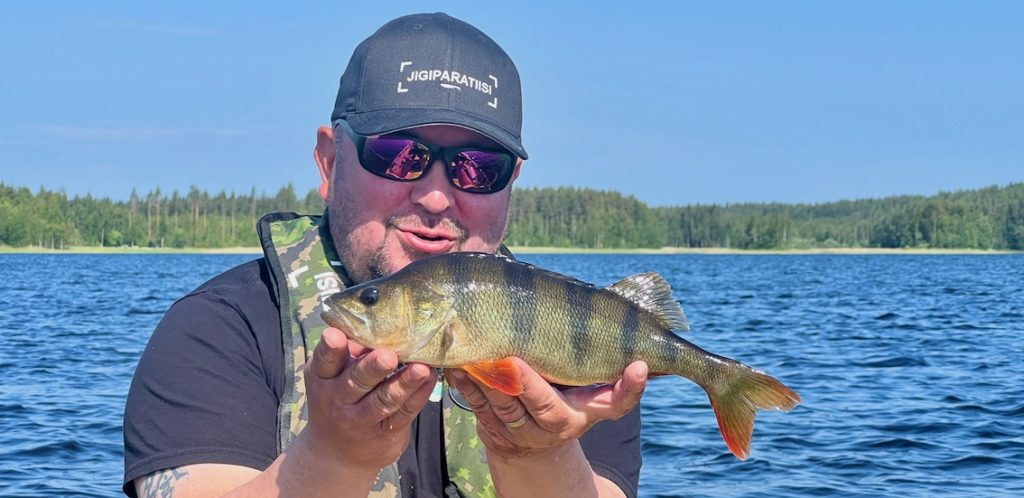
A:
<point x="305" y="270"/>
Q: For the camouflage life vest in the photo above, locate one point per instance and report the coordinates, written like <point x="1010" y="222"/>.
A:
<point x="305" y="269"/>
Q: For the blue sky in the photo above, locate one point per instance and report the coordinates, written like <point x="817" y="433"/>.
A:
<point x="673" y="102"/>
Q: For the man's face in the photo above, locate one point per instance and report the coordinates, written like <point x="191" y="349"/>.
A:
<point x="381" y="225"/>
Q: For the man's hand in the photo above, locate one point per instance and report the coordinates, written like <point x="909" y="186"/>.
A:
<point x="359" y="413"/>
<point x="552" y="418"/>
<point x="359" y="419"/>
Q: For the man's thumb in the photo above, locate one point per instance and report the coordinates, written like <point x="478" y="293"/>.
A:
<point x="331" y="354"/>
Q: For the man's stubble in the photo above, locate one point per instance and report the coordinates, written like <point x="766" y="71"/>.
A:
<point x="376" y="263"/>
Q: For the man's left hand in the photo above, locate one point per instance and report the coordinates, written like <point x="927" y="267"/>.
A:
<point x="543" y="419"/>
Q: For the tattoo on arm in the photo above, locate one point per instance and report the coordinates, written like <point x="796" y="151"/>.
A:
<point x="161" y="484"/>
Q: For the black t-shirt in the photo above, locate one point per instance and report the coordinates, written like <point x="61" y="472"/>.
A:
<point x="209" y="382"/>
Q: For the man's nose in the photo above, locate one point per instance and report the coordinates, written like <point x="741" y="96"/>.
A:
<point x="433" y="192"/>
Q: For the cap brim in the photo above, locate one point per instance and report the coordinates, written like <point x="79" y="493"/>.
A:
<point x="389" y="120"/>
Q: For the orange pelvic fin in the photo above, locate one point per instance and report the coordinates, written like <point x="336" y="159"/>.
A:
<point x="737" y="404"/>
<point x="502" y="375"/>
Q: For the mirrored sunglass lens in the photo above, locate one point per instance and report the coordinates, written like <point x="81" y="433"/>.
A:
<point x="480" y="171"/>
<point x="398" y="158"/>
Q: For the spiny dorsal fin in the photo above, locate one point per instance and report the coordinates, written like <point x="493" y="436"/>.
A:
<point x="651" y="292"/>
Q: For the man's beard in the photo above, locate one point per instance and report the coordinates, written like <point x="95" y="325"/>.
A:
<point x="377" y="264"/>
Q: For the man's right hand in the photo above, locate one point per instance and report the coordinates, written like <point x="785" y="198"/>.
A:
<point x="359" y="413"/>
<point x="359" y="421"/>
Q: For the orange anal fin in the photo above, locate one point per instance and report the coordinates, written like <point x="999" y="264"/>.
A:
<point x="502" y="375"/>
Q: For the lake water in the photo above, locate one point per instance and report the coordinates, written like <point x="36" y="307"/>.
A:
<point x="911" y="369"/>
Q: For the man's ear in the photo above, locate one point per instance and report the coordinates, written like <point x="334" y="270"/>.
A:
<point x="323" y="154"/>
<point x="519" y="164"/>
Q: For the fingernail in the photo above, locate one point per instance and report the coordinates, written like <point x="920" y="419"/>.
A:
<point x="417" y="374"/>
<point x="640" y="386"/>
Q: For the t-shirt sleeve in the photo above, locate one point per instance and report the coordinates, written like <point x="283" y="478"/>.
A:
<point x="613" y="450"/>
<point x="200" y="393"/>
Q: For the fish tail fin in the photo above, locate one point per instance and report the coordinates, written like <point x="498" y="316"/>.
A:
<point x="737" y="402"/>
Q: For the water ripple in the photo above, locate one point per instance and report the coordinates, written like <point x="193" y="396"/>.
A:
<point x="909" y="367"/>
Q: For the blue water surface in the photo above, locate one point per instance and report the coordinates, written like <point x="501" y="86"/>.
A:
<point x="911" y="369"/>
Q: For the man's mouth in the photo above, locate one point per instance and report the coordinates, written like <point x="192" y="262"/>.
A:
<point x="427" y="242"/>
<point x="430" y="237"/>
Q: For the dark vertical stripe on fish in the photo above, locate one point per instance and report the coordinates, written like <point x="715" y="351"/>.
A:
<point x="522" y="301"/>
<point x="580" y="309"/>
<point x="630" y="332"/>
<point x="463" y="271"/>
<point x="671" y="347"/>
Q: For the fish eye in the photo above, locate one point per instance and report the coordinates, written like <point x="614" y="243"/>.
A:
<point x="369" y="296"/>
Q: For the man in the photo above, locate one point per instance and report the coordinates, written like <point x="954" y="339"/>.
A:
<point x="244" y="391"/>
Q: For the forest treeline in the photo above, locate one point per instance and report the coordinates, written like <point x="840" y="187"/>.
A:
<point x="990" y="218"/>
<point x="156" y="219"/>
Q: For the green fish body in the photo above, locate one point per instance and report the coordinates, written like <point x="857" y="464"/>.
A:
<point x="474" y="311"/>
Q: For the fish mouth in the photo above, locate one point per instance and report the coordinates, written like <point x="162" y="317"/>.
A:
<point x="346" y="321"/>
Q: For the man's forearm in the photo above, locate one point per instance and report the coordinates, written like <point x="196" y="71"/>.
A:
<point x="299" y="471"/>
<point x="563" y="472"/>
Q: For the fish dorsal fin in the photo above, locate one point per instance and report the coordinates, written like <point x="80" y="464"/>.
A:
<point x="651" y="292"/>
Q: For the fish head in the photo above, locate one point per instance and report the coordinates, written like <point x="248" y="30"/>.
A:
<point x="402" y="315"/>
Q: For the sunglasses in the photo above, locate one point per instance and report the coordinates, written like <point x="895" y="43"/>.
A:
<point x="406" y="159"/>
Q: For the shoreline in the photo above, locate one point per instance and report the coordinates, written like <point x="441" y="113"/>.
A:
<point x="852" y="251"/>
<point x="129" y="250"/>
<point x="537" y="250"/>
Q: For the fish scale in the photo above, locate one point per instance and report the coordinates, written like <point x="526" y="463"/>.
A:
<point x="475" y="311"/>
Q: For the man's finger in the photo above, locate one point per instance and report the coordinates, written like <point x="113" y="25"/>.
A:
<point x="475" y="398"/>
<point x="541" y="401"/>
<point x="629" y="389"/>
<point x="390" y="395"/>
<point x="537" y="400"/>
<point x="612" y="401"/>
<point x="470" y="392"/>
<point x="415" y="384"/>
<point x="331" y="354"/>
<point x="365" y="373"/>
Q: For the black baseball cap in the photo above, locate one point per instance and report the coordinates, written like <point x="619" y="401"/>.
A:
<point x="425" y="69"/>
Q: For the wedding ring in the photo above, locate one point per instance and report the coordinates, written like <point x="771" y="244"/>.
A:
<point x="521" y="421"/>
